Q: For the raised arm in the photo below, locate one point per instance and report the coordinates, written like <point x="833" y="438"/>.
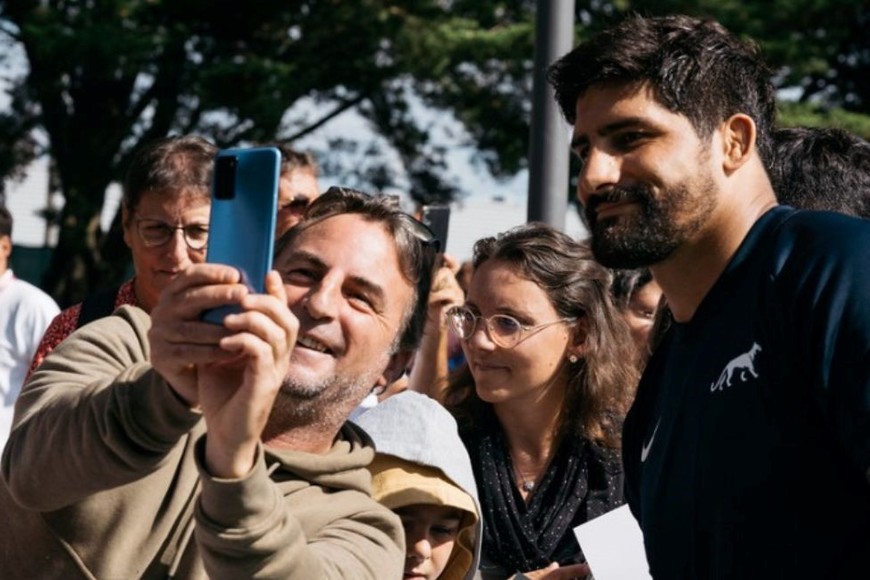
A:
<point x="94" y="415"/>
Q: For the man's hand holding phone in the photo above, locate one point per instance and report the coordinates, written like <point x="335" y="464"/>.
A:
<point x="237" y="395"/>
<point x="179" y="339"/>
<point x="234" y="371"/>
<point x="233" y="363"/>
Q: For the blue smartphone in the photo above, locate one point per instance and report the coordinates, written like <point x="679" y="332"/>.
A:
<point x="241" y="228"/>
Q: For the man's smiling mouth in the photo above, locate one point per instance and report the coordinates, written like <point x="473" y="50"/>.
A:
<point x="311" y="343"/>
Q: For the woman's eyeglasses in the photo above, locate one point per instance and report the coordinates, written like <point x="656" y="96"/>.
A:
<point x="503" y="330"/>
<point x="156" y="233"/>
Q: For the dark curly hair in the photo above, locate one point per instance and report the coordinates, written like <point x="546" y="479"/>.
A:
<point x="695" y="67"/>
<point x="822" y="169"/>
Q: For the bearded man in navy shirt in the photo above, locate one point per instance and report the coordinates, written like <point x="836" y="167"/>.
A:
<point x="747" y="448"/>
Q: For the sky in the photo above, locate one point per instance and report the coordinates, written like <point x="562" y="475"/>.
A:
<point x="472" y="178"/>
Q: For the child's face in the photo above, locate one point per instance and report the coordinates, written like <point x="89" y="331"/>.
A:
<point x="430" y="533"/>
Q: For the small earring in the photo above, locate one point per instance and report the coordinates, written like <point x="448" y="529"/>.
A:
<point x="572" y="358"/>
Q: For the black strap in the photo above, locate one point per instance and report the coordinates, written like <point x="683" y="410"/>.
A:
<point x="97" y="306"/>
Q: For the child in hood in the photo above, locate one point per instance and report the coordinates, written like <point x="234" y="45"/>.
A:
<point x="423" y="473"/>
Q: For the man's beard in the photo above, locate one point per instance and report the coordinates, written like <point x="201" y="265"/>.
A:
<point x="662" y="224"/>
<point x="328" y="400"/>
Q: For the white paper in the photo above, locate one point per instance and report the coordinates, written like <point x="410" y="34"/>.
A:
<point x="613" y="546"/>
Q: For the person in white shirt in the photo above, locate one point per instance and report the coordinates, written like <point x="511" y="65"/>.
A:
<point x="25" y="313"/>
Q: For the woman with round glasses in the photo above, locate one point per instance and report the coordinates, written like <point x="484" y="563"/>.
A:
<point x="164" y="210"/>
<point x="551" y="372"/>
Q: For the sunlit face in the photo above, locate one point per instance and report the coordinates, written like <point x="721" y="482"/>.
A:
<point x="430" y="534"/>
<point x="344" y="284"/>
<point x="534" y="368"/>
<point x="5" y="252"/>
<point x="156" y="266"/>
<point x="640" y="313"/>
<point x="296" y="190"/>
<point x="646" y="180"/>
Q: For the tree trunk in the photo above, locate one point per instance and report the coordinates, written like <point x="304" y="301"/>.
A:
<point x="80" y="265"/>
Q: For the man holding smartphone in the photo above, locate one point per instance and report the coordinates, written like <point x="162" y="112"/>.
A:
<point x="235" y="434"/>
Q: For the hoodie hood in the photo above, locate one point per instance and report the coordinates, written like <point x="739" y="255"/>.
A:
<point x="419" y="449"/>
<point x="344" y="466"/>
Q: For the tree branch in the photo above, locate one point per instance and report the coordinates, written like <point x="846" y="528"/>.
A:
<point x="341" y="108"/>
<point x="7" y="30"/>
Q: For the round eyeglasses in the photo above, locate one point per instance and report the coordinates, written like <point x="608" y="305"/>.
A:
<point x="503" y="330"/>
<point x="156" y="233"/>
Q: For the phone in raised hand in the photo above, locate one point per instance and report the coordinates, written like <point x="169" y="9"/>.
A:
<point x="242" y="223"/>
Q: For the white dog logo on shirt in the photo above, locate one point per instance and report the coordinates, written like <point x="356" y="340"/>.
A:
<point x="743" y="366"/>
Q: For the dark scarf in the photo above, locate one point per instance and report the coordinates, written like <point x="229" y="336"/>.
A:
<point x="582" y="482"/>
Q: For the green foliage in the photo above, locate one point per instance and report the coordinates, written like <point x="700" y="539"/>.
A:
<point x="820" y="47"/>
<point x="809" y="115"/>
<point x="18" y="146"/>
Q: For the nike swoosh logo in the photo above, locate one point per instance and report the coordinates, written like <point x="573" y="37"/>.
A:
<point x="644" y="450"/>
